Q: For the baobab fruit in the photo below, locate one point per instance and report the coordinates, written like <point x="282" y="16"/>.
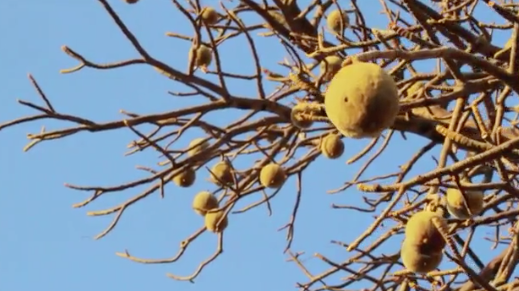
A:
<point x="332" y="146"/>
<point x="209" y="15"/>
<point x="197" y="146"/>
<point x="203" y="202"/>
<point x="297" y="119"/>
<point x="362" y="100"/>
<point x="212" y="219"/>
<point x="337" y="21"/>
<point x="186" y="178"/>
<point x="418" y="262"/>
<point x="421" y="231"/>
<point x="131" y="1"/>
<point x="456" y="203"/>
<point x="329" y="66"/>
<point x="204" y="56"/>
<point x="222" y="172"/>
<point x="272" y="176"/>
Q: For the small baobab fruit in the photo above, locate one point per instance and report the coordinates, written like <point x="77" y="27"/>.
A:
<point x="185" y="178"/>
<point x="297" y="117"/>
<point x="362" y="100"/>
<point x="222" y="172"/>
<point x="197" y="146"/>
<point x="418" y="262"/>
<point x="209" y="15"/>
<point x="213" y="223"/>
<point x="204" y="57"/>
<point x="272" y="176"/>
<point x="457" y="203"/>
<point x="421" y="231"/>
<point x="337" y="21"/>
<point x="203" y="202"/>
<point x="329" y="66"/>
<point x="332" y="146"/>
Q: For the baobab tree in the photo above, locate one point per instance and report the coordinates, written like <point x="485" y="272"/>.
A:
<point x="435" y="79"/>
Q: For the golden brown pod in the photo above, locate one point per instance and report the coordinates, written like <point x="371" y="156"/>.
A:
<point x="456" y="203"/>
<point x="418" y="262"/>
<point x="330" y="66"/>
<point x="297" y="119"/>
<point x="222" y="172"/>
<point x="272" y="176"/>
<point x="421" y="231"/>
<point x="337" y="22"/>
<point x="196" y="146"/>
<point x="203" y="202"/>
<point x="332" y="146"/>
<point x="204" y="56"/>
<point x="362" y="100"/>
<point x="212" y="219"/>
<point x="186" y="178"/>
<point x="209" y="15"/>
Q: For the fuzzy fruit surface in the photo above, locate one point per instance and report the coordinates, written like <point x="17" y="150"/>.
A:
<point x="421" y="232"/>
<point x="418" y="262"/>
<point x="362" y="100"/>
<point x="222" y="172"/>
<point x="186" y="178"/>
<point x="203" y="202"/>
<point x="332" y="146"/>
<point x="334" y="23"/>
<point x="456" y="203"/>
<point x="272" y="176"/>
<point x="330" y="66"/>
<point x="196" y="146"/>
<point x="212" y="219"/>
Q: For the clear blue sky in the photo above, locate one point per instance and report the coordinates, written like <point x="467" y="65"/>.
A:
<point x="45" y="244"/>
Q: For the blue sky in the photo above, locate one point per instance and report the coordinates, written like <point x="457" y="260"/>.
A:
<point x="48" y="245"/>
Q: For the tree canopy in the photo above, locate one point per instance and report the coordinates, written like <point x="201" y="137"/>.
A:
<point x="433" y="80"/>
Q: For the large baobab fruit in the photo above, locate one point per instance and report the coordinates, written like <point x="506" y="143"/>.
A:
<point x="422" y="232"/>
<point x="362" y="100"/>
<point x="332" y="146"/>
<point x="212" y="219"/>
<point x="456" y="203"/>
<point x="186" y="178"/>
<point x="209" y="15"/>
<point x="204" y="56"/>
<point x="418" y="262"/>
<point x="203" y="202"/>
<point x="196" y="146"/>
<point x="330" y="66"/>
<point x="337" y="21"/>
<point x="222" y="173"/>
<point x="272" y="176"/>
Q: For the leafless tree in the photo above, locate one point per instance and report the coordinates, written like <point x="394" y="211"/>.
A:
<point x="460" y="105"/>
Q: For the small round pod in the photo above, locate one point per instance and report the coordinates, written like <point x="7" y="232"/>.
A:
<point x="456" y="203"/>
<point x="203" y="202"/>
<point x="418" y="262"/>
<point x="330" y="66"/>
<point x="337" y="21"/>
<point x="297" y="120"/>
<point x="362" y="100"/>
<point x="204" y="56"/>
<point x="222" y="172"/>
<point x="332" y="146"/>
<point x="212" y="219"/>
<point x="186" y="178"/>
<point x="272" y="176"/>
<point x="209" y="15"/>
<point x="421" y="231"/>
<point x="197" y="146"/>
